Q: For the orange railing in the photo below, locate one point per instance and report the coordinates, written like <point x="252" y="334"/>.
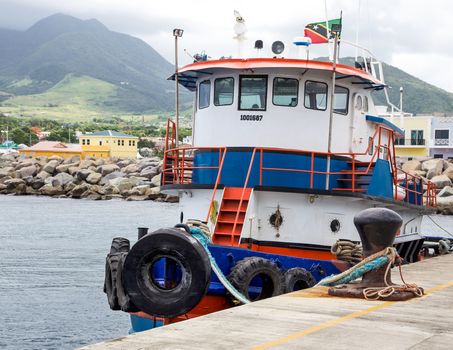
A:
<point x="178" y="167"/>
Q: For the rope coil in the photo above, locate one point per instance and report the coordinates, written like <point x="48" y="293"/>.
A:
<point x="348" y="251"/>
<point x="387" y="256"/>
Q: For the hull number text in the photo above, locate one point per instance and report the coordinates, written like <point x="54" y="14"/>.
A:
<point x="252" y="117"/>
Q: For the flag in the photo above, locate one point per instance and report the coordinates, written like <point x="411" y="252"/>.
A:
<point x="317" y="32"/>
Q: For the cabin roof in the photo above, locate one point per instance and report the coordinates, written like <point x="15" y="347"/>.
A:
<point x="189" y="74"/>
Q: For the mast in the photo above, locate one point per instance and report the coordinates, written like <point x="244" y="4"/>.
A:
<point x="336" y="30"/>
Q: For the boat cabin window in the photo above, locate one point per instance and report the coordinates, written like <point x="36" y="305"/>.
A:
<point x="315" y="95"/>
<point x="252" y="92"/>
<point x="285" y="92"/>
<point x="365" y="104"/>
<point x="341" y="99"/>
<point x="204" y="94"/>
<point x="223" y="91"/>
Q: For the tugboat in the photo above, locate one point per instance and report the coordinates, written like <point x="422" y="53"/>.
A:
<point x="286" y="151"/>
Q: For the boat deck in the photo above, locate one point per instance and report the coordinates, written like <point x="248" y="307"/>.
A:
<point x="312" y="319"/>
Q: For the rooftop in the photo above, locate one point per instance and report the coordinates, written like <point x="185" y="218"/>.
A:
<point x="110" y="133"/>
<point x="54" y="146"/>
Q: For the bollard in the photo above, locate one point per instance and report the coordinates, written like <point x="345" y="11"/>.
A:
<point x="142" y="231"/>
<point x="377" y="229"/>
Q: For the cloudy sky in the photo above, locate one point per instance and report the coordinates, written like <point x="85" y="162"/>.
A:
<point x="414" y="35"/>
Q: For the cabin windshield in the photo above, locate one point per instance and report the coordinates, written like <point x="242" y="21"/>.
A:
<point x="285" y="92"/>
<point x="204" y="94"/>
<point x="223" y="91"/>
<point x="340" y="101"/>
<point x="315" y="95"/>
<point x="252" y="92"/>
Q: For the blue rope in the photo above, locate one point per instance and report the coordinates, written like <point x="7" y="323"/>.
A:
<point x="205" y="240"/>
<point x="356" y="272"/>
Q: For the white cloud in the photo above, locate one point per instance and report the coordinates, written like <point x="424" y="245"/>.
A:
<point x="412" y="34"/>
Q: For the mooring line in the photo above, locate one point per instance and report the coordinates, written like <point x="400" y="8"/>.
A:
<point x="338" y="320"/>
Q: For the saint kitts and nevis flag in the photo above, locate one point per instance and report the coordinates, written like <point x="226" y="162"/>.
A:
<point x="317" y="32"/>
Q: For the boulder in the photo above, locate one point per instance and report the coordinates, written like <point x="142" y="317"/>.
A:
<point x="445" y="205"/>
<point x="27" y="171"/>
<point x="111" y="176"/>
<point x="123" y="184"/>
<point x="73" y="170"/>
<point x="449" y="172"/>
<point x="69" y="186"/>
<point x="171" y="199"/>
<point x="37" y="183"/>
<point x="57" y="158"/>
<point x="110" y="190"/>
<point x="447" y="191"/>
<point x="42" y="175"/>
<point x="99" y="162"/>
<point x="149" y="162"/>
<point x="156" y="180"/>
<point x="411" y="166"/>
<point x="137" y="198"/>
<point x="13" y="184"/>
<point x="93" y="178"/>
<point x="51" y="166"/>
<point x="108" y="169"/>
<point x="82" y="174"/>
<point x="63" y="179"/>
<point x="131" y="168"/>
<point x="86" y="163"/>
<point x="433" y="167"/>
<point x="149" y="172"/>
<point x="441" y="181"/>
<point x="73" y="159"/>
<point x="63" y="168"/>
<point x="125" y="162"/>
<point x="26" y="163"/>
<point x="6" y="171"/>
<point x="146" y="152"/>
<point x="79" y="190"/>
<point x="49" y="190"/>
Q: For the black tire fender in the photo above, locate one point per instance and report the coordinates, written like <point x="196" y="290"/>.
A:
<point x="194" y="265"/>
<point x="120" y="244"/>
<point x="111" y="267"/>
<point x="124" y="301"/>
<point x="247" y="269"/>
<point x="298" y="278"/>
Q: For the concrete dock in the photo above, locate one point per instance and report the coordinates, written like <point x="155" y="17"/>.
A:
<point x="311" y="319"/>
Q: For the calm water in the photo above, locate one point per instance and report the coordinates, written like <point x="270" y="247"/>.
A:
<point x="52" y="255"/>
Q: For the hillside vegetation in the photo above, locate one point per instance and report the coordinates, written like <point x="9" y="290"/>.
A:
<point x="71" y="69"/>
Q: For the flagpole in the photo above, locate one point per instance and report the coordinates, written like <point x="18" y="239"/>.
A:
<point x="332" y="96"/>
<point x="327" y="30"/>
<point x="357" y="29"/>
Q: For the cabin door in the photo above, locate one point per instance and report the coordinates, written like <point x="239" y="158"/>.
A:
<point x="356" y="135"/>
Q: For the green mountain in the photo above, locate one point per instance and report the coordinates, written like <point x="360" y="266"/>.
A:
<point x="62" y="47"/>
<point x="418" y="97"/>
<point x="66" y="68"/>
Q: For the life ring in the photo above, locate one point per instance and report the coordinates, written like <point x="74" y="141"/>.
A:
<point x="111" y="267"/>
<point x="166" y="273"/>
<point x="257" y="278"/>
<point x="124" y="300"/>
<point x="298" y="278"/>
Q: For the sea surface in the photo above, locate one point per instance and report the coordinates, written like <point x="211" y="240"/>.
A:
<point x="52" y="258"/>
<point x="52" y="255"/>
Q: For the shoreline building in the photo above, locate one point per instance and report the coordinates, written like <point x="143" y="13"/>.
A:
<point x="53" y="148"/>
<point x="108" y="143"/>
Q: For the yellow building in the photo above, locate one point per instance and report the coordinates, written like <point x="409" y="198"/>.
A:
<point x="417" y="131"/>
<point x="109" y="144"/>
<point x="53" y="148"/>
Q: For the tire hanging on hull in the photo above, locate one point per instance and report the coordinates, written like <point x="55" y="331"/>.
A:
<point x="257" y="278"/>
<point x="166" y="273"/>
<point x="298" y="278"/>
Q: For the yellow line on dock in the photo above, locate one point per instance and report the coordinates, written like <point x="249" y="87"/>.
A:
<point x="334" y="322"/>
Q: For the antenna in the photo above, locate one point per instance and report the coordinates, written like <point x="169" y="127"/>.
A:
<point x="357" y="34"/>
<point x="239" y="29"/>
